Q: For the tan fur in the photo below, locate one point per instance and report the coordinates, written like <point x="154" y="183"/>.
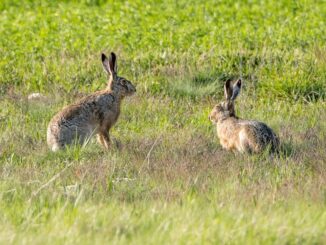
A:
<point x="238" y="134"/>
<point x="94" y="114"/>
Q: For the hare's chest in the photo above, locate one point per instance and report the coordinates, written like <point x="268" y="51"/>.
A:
<point x="108" y="110"/>
<point x="227" y="136"/>
<point x="111" y="116"/>
<point x="114" y="115"/>
<point x="225" y="132"/>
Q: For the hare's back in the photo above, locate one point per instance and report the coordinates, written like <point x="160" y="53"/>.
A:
<point x="88" y="110"/>
<point x="76" y="115"/>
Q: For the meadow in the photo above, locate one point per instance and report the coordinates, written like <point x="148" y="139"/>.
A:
<point x="171" y="183"/>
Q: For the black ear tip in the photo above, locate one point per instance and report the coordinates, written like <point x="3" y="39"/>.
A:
<point x="227" y="82"/>
<point x="103" y="56"/>
<point x="239" y="82"/>
<point x="113" y="55"/>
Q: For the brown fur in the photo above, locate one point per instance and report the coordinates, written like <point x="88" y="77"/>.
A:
<point x="94" y="114"/>
<point x="238" y="134"/>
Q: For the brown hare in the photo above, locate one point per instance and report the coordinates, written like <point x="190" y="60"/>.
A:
<point x="239" y="134"/>
<point x="93" y="114"/>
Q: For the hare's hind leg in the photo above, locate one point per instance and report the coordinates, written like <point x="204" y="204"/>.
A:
<point x="104" y="139"/>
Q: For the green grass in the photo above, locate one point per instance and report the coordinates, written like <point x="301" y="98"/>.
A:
<point x="171" y="182"/>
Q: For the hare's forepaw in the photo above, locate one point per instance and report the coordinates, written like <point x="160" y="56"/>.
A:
<point x="104" y="140"/>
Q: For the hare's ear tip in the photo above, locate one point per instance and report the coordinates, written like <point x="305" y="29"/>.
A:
<point x="113" y="54"/>
<point x="103" y="57"/>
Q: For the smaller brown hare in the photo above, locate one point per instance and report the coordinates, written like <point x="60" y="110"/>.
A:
<point x="245" y="136"/>
<point x="93" y="114"/>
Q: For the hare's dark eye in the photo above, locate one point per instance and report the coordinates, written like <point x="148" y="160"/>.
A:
<point x="124" y="84"/>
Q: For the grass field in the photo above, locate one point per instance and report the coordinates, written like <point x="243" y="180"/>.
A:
<point x="171" y="183"/>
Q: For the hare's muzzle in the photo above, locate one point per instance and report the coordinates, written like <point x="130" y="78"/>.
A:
<point x="133" y="91"/>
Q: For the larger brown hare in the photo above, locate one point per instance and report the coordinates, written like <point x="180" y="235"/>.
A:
<point x="239" y="134"/>
<point x="94" y="114"/>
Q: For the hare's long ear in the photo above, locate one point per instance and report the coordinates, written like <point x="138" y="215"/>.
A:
<point x="110" y="65"/>
<point x="113" y="63"/>
<point x="236" y="89"/>
<point x="228" y="90"/>
<point x="105" y="63"/>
